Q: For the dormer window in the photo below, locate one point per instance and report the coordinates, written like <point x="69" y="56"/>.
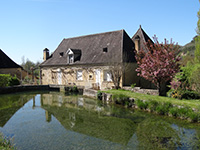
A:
<point x="70" y="56"/>
<point x="105" y="50"/>
<point x="71" y="59"/>
<point x="73" y="55"/>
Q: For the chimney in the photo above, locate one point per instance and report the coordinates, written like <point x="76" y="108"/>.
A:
<point x="45" y="54"/>
<point x="137" y="43"/>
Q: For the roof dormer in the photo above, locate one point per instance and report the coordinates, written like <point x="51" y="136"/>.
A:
<point x="73" y="55"/>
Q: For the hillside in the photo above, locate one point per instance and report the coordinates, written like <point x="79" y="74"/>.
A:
<point x="189" y="47"/>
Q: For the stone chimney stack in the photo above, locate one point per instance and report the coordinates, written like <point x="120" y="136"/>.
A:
<point x="45" y="54"/>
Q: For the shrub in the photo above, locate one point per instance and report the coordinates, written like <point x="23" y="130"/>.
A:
<point x="183" y="112"/>
<point x="6" y="143"/>
<point x="183" y="94"/>
<point x="4" y="79"/>
<point x="120" y="98"/>
<point x="163" y="109"/>
<point x="187" y="94"/>
<point x="160" y="110"/>
<point x="194" y="116"/>
<point x="152" y="105"/>
<point x="141" y="104"/>
<point x="133" y="85"/>
<point x="99" y="95"/>
<point x="13" y="81"/>
<point x="74" y="89"/>
<point x="173" y="111"/>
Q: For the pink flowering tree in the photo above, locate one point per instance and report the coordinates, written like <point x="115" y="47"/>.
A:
<point x="158" y="63"/>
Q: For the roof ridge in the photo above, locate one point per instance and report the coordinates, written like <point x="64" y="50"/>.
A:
<point x="9" y="62"/>
<point x="94" y="34"/>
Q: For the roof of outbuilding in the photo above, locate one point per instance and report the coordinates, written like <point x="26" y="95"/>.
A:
<point x="91" y="47"/>
<point x="144" y="38"/>
<point x="6" y="62"/>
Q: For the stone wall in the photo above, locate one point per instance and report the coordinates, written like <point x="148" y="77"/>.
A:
<point x="90" y="93"/>
<point x="143" y="91"/>
<point x="68" y="76"/>
<point x="24" y="88"/>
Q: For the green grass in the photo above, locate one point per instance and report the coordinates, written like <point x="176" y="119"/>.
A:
<point x="187" y="103"/>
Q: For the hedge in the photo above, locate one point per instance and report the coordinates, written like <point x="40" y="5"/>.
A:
<point x="8" y="80"/>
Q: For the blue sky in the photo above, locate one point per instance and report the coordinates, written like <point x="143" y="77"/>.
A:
<point x="29" y="26"/>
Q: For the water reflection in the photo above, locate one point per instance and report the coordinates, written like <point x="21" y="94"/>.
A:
<point x="9" y="105"/>
<point x="85" y="116"/>
<point x="57" y="121"/>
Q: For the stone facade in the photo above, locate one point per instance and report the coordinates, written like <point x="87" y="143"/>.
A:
<point x="12" y="72"/>
<point x="89" y="77"/>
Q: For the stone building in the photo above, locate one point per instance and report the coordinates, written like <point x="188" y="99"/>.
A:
<point x="89" y="60"/>
<point x="8" y="66"/>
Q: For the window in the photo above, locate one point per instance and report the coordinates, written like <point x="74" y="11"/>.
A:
<point x="79" y="75"/>
<point x="105" y="50"/>
<point x="107" y="76"/>
<point x="71" y="59"/>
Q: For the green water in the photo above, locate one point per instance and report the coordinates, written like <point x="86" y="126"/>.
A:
<point x="55" y="121"/>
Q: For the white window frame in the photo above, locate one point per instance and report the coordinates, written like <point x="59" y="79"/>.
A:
<point x="70" y="58"/>
<point x="79" y="75"/>
<point x="107" y="76"/>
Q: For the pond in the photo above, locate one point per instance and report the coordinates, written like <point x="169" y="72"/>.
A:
<point x="55" y="121"/>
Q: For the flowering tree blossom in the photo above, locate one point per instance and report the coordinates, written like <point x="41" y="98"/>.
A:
<point x="158" y="63"/>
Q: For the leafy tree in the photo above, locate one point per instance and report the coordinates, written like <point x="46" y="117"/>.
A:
<point x="159" y="63"/>
<point x="197" y="40"/>
<point x="29" y="65"/>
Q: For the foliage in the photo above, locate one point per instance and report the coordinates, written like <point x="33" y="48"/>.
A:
<point x="157" y="134"/>
<point x="133" y="85"/>
<point x="75" y="89"/>
<point x="163" y="108"/>
<point x="197" y="41"/>
<point x="99" y="95"/>
<point x="141" y="104"/>
<point x="195" y="78"/>
<point x="8" y="80"/>
<point x="197" y="49"/>
<point x="120" y="98"/>
<point x="116" y="74"/>
<point x="4" y="79"/>
<point x="152" y="105"/>
<point x="6" y="143"/>
<point x="193" y="116"/>
<point x="159" y="99"/>
<point x="27" y="80"/>
<point x="29" y="65"/>
<point x="186" y="83"/>
<point x="173" y="111"/>
<point x="13" y="81"/>
<point x="183" y="94"/>
<point x="159" y="63"/>
<point x="72" y="89"/>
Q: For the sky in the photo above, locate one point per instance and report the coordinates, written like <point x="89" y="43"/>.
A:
<point x="27" y="27"/>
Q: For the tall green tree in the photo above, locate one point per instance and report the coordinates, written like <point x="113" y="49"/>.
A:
<point x="197" y="40"/>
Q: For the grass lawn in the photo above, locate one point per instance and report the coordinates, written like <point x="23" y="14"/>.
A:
<point x="188" y="103"/>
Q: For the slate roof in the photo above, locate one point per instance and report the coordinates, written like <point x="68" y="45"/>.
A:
<point x="91" y="47"/>
<point x="142" y="36"/>
<point x="6" y="62"/>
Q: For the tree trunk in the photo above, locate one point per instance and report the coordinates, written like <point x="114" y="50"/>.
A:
<point x="161" y="89"/>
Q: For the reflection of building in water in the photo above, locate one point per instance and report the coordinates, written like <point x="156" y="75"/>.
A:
<point x="83" y="116"/>
<point x="48" y="116"/>
<point x="33" y="102"/>
<point x="80" y="101"/>
<point x="72" y="118"/>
